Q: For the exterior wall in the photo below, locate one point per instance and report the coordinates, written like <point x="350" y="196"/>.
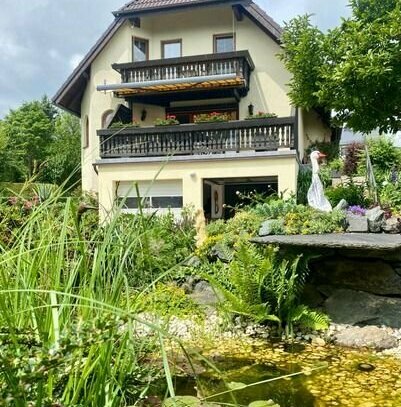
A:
<point x="192" y="173"/>
<point x="314" y="130"/>
<point x="268" y="89"/>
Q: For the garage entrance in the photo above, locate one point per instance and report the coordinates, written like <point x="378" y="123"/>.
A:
<point x="222" y="196"/>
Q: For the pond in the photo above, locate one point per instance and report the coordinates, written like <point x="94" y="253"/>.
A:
<point x="330" y="376"/>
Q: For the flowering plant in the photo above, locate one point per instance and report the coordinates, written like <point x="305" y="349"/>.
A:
<point x="170" y="120"/>
<point x="261" y="115"/>
<point x="357" y="210"/>
<point x="211" y="117"/>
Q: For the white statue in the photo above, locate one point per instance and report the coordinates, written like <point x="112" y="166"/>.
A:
<point x="316" y="198"/>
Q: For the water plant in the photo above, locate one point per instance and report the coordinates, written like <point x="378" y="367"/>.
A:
<point x="68" y="314"/>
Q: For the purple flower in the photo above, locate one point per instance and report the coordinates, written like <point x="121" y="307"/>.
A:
<point x="357" y="210"/>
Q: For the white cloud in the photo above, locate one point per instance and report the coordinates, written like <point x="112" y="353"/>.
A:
<point x="75" y="60"/>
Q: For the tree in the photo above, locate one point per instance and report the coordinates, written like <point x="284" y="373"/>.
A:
<point x="28" y="131"/>
<point x="353" y="70"/>
<point x="64" y="159"/>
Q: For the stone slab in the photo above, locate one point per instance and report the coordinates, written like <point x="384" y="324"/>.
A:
<point x="358" y="241"/>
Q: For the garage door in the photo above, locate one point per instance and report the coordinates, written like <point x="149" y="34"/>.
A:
<point x="158" y="195"/>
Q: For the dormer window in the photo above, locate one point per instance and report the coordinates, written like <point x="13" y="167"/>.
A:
<point x="172" y="49"/>
<point x="223" y="43"/>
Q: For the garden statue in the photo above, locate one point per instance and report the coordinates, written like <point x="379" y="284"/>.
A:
<point x="316" y="197"/>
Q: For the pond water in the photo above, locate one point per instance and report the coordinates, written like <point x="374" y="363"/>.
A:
<point x="331" y="376"/>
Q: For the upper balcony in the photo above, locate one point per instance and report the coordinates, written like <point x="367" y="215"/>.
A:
<point x="163" y="80"/>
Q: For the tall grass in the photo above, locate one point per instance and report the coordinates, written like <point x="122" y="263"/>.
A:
<point x="68" y="314"/>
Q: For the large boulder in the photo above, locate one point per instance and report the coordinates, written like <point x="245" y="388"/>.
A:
<point x="375" y="218"/>
<point x="373" y="276"/>
<point x="366" y="337"/>
<point x="352" y="307"/>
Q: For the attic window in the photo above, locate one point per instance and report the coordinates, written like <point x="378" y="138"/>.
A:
<point x="172" y="49"/>
<point x="223" y="43"/>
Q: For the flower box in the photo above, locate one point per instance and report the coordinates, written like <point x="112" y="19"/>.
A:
<point x="211" y="117"/>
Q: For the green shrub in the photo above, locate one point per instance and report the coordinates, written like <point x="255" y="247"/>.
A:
<point x="306" y="221"/>
<point x="352" y="193"/>
<point x="168" y="300"/>
<point x="390" y="196"/>
<point x="275" y="209"/>
<point x="384" y="157"/>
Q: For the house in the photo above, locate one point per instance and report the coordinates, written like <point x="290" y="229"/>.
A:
<point x="184" y="58"/>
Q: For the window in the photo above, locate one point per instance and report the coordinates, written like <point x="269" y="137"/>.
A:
<point x="224" y="43"/>
<point x="140" y="49"/>
<point x="85" y="143"/>
<point x="172" y="49"/>
<point x="107" y="117"/>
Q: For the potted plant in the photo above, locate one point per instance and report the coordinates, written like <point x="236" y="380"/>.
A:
<point x="170" y="120"/>
<point x="261" y="115"/>
<point x="121" y="125"/>
<point x="211" y="117"/>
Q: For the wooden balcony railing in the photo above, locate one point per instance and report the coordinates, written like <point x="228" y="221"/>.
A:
<point x="235" y="65"/>
<point x="199" y="139"/>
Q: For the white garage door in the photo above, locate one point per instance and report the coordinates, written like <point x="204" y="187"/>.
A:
<point x="158" y="195"/>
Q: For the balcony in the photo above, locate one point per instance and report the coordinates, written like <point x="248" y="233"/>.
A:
<point x="160" y="81"/>
<point x="199" y="139"/>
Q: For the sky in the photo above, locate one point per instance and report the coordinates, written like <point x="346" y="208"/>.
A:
<point x="41" y="41"/>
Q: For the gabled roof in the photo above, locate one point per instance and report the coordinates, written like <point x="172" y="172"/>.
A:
<point x="69" y="96"/>
<point x="145" y="6"/>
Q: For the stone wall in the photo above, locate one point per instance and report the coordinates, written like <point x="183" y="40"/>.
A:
<point x="357" y="287"/>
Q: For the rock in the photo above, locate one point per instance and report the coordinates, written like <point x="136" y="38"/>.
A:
<point x="342" y="205"/>
<point x="373" y="276"/>
<point x="318" y="341"/>
<point x="266" y="228"/>
<point x="352" y="307"/>
<point x="392" y="225"/>
<point x="366" y="337"/>
<point x="375" y="219"/>
<point x="311" y="296"/>
<point x="204" y="294"/>
<point x="357" y="223"/>
<point x="193" y="261"/>
<point x="221" y="252"/>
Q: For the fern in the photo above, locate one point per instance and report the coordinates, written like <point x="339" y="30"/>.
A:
<point x="265" y="287"/>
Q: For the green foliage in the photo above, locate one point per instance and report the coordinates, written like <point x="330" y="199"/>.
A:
<point x="331" y="150"/>
<point x="37" y="139"/>
<point x="306" y="221"/>
<point x="29" y="131"/>
<point x="303" y="56"/>
<point x="353" y="70"/>
<point x="385" y="157"/>
<point x="259" y="285"/>
<point x="354" y="194"/>
<point x="63" y="154"/>
<point x="304" y="181"/>
<point x="65" y="338"/>
<point x="164" y="243"/>
<point x="390" y="196"/>
<point x="169" y="300"/>
<point x="274" y="209"/>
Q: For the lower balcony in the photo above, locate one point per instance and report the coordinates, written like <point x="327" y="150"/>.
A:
<point x="200" y="139"/>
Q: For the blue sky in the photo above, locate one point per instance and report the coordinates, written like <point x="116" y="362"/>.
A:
<point x="42" y="40"/>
